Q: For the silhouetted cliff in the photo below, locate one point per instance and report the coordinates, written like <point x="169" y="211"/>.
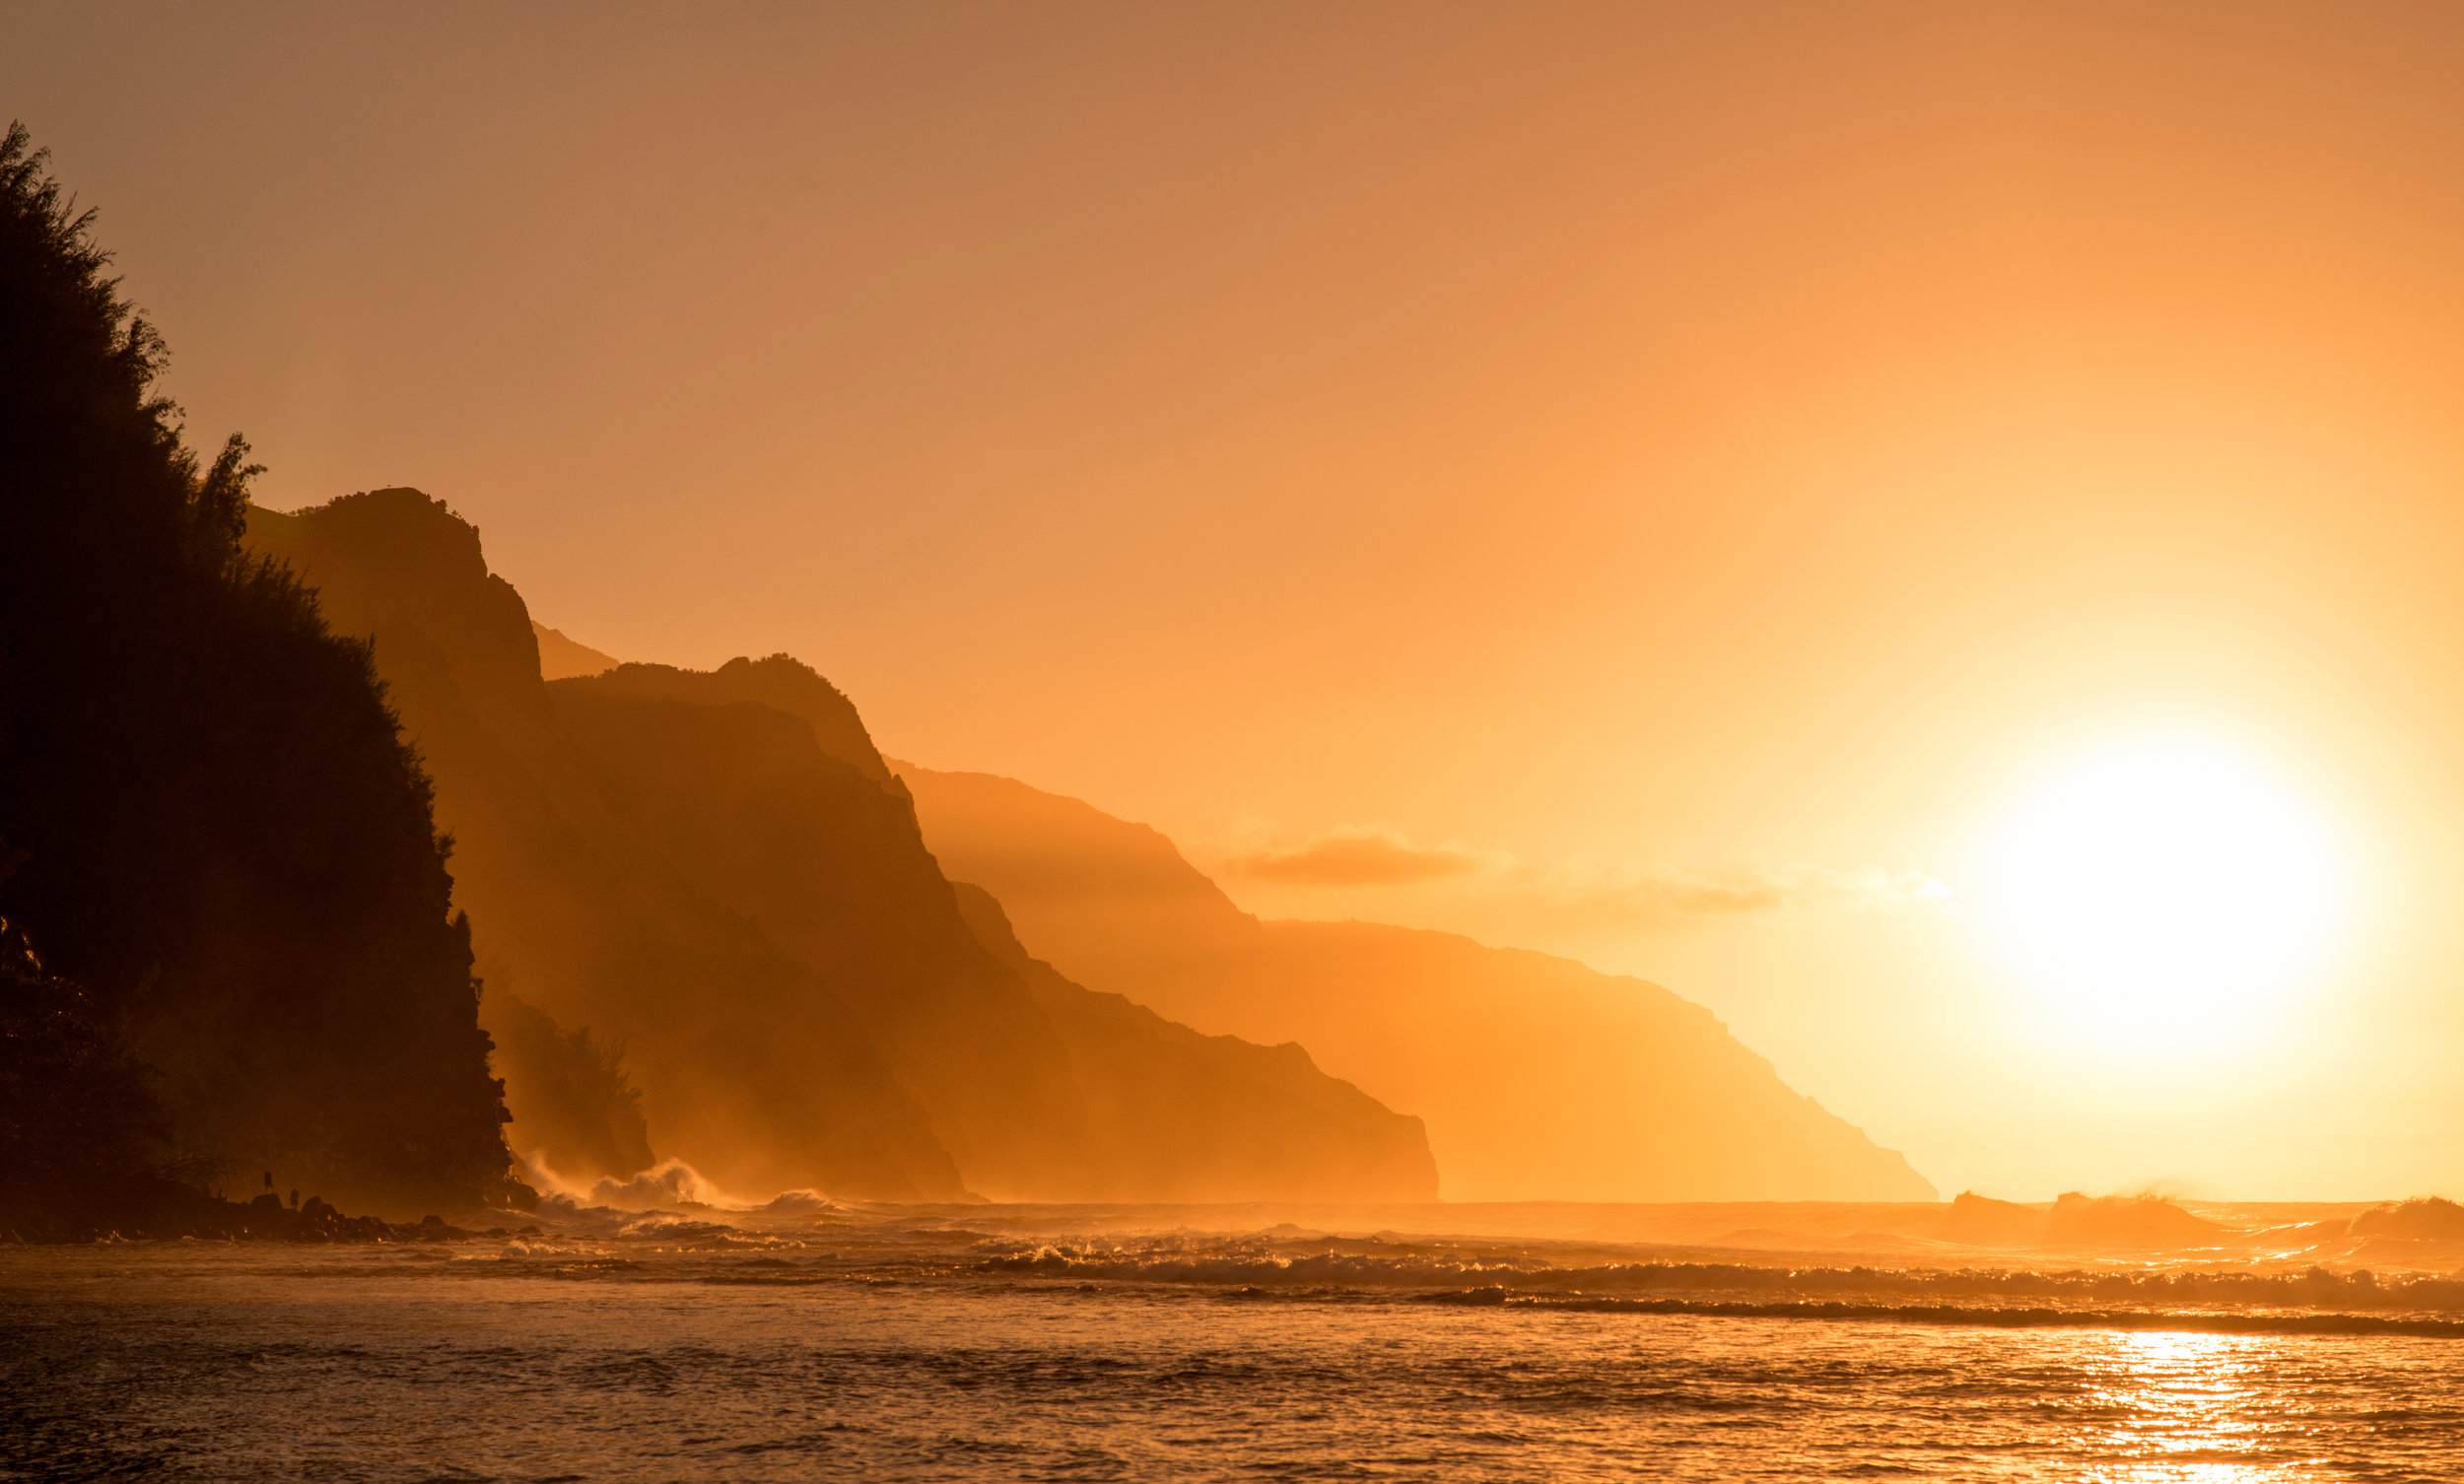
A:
<point x="718" y="871"/>
<point x="229" y="866"/>
<point x="744" y="1054"/>
<point x="560" y="656"/>
<point x="1175" y="1115"/>
<point x="782" y="683"/>
<point x="1539" y="1078"/>
<point x="746" y="806"/>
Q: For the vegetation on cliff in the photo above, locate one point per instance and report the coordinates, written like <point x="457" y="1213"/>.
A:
<point x="224" y="856"/>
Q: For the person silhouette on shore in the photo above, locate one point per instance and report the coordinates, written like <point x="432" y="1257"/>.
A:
<point x="294" y="1199"/>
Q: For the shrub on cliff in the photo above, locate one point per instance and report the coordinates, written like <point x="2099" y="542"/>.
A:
<point x="228" y="847"/>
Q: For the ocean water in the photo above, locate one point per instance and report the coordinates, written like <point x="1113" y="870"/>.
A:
<point x="870" y="1346"/>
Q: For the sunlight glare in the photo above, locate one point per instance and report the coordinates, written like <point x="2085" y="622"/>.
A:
<point x="2165" y="889"/>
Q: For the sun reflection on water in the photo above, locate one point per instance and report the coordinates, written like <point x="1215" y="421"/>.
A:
<point x="2193" y="1409"/>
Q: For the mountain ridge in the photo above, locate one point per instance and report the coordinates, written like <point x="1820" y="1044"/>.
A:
<point x="1538" y="1077"/>
<point x="562" y="659"/>
<point x="716" y="871"/>
<point x="575" y="913"/>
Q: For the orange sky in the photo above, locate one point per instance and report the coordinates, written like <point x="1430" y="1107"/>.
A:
<point x="1630" y="449"/>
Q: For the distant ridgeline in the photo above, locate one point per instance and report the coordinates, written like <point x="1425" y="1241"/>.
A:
<point x="718" y="874"/>
<point x="1540" y="1078"/>
<point x="719" y="877"/>
<point x="229" y="948"/>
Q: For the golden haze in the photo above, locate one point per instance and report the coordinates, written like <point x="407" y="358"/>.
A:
<point x="1675" y="478"/>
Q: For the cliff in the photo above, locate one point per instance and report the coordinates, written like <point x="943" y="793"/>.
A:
<point x="744" y="805"/>
<point x="560" y="657"/>
<point x="781" y="682"/>
<point x="717" y="872"/>
<point x="1173" y="1114"/>
<point x="741" y="1051"/>
<point x="1538" y="1077"/>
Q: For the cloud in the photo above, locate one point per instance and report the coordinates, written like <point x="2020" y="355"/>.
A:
<point x="1669" y="893"/>
<point x="1357" y="855"/>
<point x="1379" y="854"/>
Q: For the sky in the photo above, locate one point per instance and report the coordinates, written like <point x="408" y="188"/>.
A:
<point x="1679" y="486"/>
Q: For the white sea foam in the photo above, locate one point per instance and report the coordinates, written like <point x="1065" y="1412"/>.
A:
<point x="665" y="1184"/>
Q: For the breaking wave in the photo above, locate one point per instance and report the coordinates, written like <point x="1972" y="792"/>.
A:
<point x="670" y="1183"/>
<point x="802" y="1241"/>
<point x="1372" y="1264"/>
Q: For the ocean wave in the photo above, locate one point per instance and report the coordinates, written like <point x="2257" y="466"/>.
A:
<point x="2172" y="1321"/>
<point x="2161" y="1289"/>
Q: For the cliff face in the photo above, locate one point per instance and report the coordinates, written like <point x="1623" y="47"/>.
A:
<point x="746" y="807"/>
<point x="1173" y="1114"/>
<point x="560" y="657"/>
<point x="742" y="1053"/>
<point x="1539" y="1078"/>
<point x="717" y="872"/>
<point x="780" y="683"/>
<point x="217" y="859"/>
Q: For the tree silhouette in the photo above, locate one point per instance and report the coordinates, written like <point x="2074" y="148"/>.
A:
<point x="227" y="848"/>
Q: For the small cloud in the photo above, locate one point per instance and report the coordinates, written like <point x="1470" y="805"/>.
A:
<point x="1379" y="854"/>
<point x="1357" y="855"/>
<point x="1668" y="892"/>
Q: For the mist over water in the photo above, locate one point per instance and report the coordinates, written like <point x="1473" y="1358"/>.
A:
<point x="1055" y="1342"/>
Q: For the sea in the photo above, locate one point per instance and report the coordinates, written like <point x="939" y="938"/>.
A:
<point x="821" y="1341"/>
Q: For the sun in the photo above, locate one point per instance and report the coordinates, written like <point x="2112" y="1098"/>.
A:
<point x="2165" y="889"/>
